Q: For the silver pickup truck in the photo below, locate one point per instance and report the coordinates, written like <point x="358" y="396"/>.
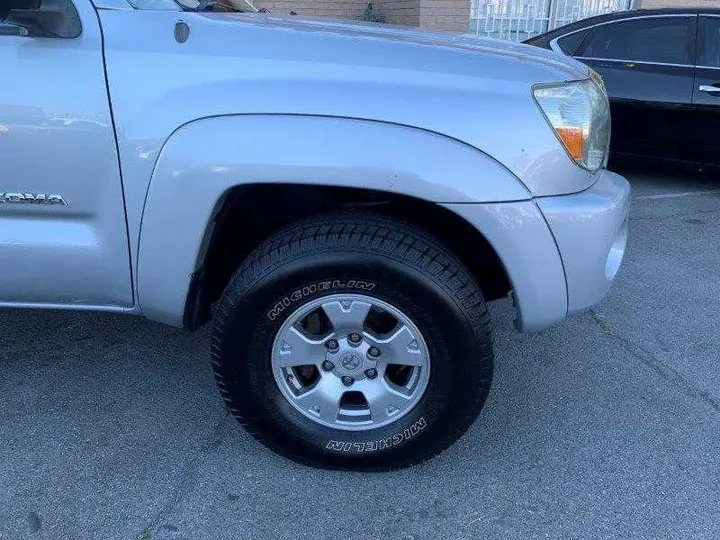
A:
<point x="340" y="200"/>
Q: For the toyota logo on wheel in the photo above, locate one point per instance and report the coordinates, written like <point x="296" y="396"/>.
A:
<point x="350" y="361"/>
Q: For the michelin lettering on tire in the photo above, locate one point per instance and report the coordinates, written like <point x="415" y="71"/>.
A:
<point x="320" y="286"/>
<point x="382" y="444"/>
<point x="391" y="262"/>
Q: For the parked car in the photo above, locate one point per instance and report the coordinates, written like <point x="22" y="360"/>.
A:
<point x="662" y="73"/>
<point x="340" y="199"/>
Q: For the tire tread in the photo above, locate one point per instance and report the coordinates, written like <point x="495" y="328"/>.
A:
<point x="394" y="238"/>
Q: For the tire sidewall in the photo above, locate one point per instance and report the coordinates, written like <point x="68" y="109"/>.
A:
<point x="458" y="377"/>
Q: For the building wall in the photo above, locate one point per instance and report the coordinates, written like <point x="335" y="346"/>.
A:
<point x="405" y="12"/>
<point x="340" y="9"/>
<point x="450" y="15"/>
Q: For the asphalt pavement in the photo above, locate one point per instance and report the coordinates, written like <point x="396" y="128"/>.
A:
<point x="605" y="426"/>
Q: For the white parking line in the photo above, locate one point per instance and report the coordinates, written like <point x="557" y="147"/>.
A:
<point x="680" y="194"/>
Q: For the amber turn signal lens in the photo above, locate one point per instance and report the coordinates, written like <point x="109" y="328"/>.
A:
<point x="579" y="114"/>
<point x="574" y="141"/>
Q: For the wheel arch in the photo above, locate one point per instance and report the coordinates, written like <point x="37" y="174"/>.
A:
<point x="209" y="162"/>
<point x="223" y="252"/>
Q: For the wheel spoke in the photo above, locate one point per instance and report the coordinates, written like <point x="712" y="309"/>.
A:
<point x="299" y="350"/>
<point x="346" y="316"/>
<point x="401" y="348"/>
<point x="323" y="400"/>
<point x="383" y="400"/>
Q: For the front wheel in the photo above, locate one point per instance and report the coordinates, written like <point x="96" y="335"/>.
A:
<point x="353" y="341"/>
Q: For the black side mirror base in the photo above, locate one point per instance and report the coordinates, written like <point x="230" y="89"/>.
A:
<point x="53" y="18"/>
<point x="7" y="29"/>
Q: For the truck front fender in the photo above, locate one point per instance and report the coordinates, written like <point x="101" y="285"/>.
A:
<point x="204" y="159"/>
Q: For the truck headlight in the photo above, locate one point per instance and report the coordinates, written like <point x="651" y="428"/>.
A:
<point x="579" y="113"/>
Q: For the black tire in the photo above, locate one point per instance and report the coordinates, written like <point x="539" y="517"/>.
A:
<point x="403" y="266"/>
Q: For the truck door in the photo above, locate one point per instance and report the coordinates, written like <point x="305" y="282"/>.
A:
<point x="63" y="232"/>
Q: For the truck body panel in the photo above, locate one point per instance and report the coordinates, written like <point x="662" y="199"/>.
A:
<point x="235" y="64"/>
<point x="123" y="166"/>
<point x="205" y="159"/>
<point x="63" y="235"/>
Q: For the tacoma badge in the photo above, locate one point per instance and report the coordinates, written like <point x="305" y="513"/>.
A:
<point x="31" y="198"/>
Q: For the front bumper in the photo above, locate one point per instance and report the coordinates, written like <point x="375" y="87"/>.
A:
<point x="590" y="229"/>
<point x="560" y="253"/>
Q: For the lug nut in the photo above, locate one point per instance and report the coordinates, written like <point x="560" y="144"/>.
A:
<point x="348" y="381"/>
<point x="327" y="365"/>
<point x="332" y="344"/>
<point x="371" y="373"/>
<point x="354" y="338"/>
<point x="373" y="352"/>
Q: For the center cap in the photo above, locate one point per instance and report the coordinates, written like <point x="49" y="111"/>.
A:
<point x="350" y="361"/>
